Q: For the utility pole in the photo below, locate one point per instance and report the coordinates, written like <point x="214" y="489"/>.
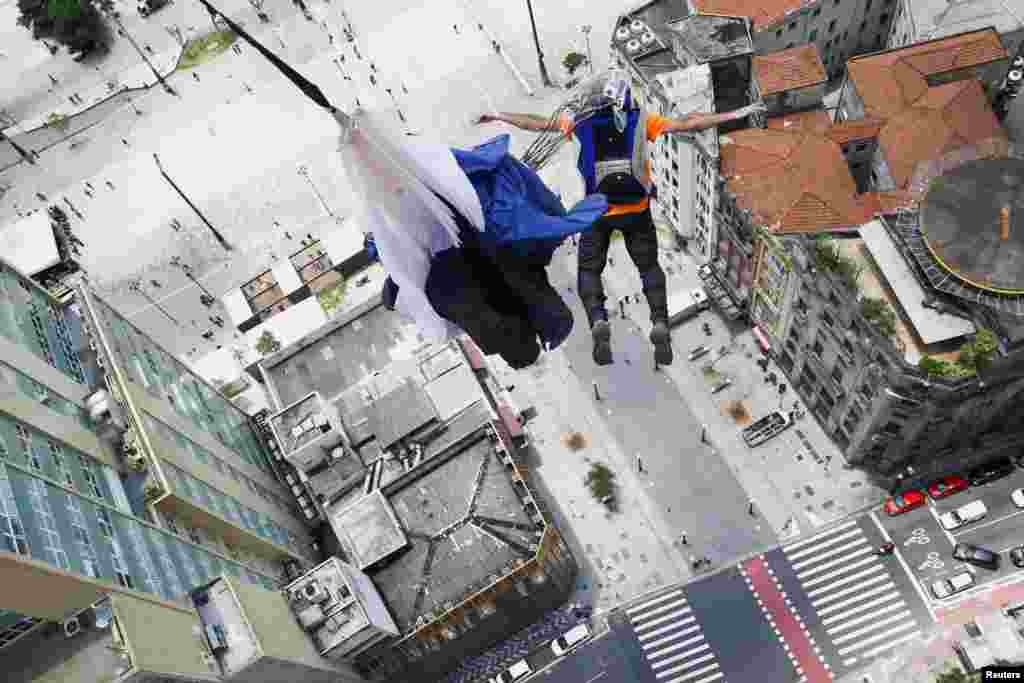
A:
<point x="544" y="78"/>
<point x="18" y="148"/>
<point x="304" y="172"/>
<point x="216" y="233"/>
<point x="586" y="32"/>
<point x="159" y="76"/>
<point x="136" y="286"/>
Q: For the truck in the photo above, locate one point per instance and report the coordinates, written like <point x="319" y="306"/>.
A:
<point x="768" y="427"/>
<point x="683" y="305"/>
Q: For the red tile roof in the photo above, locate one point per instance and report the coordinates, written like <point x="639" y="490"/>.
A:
<point x="798" y="67"/>
<point x="813" y="121"/>
<point x="761" y="12"/>
<point x="922" y="123"/>
<point x="860" y="129"/>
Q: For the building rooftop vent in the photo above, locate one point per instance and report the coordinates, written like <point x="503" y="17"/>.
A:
<point x="622" y="33"/>
<point x="633" y="46"/>
<point x="637" y="27"/>
<point x="647" y="38"/>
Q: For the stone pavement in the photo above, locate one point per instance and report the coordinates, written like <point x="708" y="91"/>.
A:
<point x="621" y="555"/>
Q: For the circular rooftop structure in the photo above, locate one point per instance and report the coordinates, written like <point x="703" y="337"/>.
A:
<point x="972" y="221"/>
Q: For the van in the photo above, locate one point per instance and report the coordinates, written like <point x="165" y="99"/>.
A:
<point x="570" y="639"/>
<point x="514" y="672"/>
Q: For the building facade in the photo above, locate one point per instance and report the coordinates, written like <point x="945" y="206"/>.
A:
<point x="120" y="470"/>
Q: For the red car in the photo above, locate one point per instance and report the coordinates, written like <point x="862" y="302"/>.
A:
<point x="904" y="502"/>
<point x="947" y="486"/>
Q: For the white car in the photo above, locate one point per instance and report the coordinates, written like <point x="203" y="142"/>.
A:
<point x="1018" y="497"/>
<point x="570" y="639"/>
<point x="944" y="588"/>
<point x="972" y="512"/>
<point x="514" y="672"/>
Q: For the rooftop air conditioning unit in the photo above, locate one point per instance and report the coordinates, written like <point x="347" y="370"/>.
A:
<point x="99" y="406"/>
<point x="647" y="38"/>
<point x="622" y="33"/>
<point x="633" y="46"/>
<point x="71" y="627"/>
<point x="1015" y="75"/>
<point x="637" y="27"/>
<point x="217" y="638"/>
<point x="315" y="593"/>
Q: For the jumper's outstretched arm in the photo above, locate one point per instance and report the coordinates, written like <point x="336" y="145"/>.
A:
<point x="699" y="121"/>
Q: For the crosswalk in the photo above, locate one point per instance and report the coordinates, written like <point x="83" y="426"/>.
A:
<point x="672" y="640"/>
<point x="853" y="593"/>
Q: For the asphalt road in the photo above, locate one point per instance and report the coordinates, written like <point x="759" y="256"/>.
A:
<point x="928" y="548"/>
<point x="693" y="487"/>
<point x="614" y="657"/>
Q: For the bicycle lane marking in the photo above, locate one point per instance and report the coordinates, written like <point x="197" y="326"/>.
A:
<point x="802" y="650"/>
<point x="911" y="575"/>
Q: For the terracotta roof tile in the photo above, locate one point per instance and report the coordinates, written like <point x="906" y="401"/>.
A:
<point x="761" y="12"/>
<point x="797" y="67"/>
<point x="970" y="115"/>
<point x="753" y="149"/>
<point x="858" y="129"/>
<point x="888" y="202"/>
<point x="813" y="121"/>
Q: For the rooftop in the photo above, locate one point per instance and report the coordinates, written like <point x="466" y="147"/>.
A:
<point x="815" y="121"/>
<point x="797" y="67"/>
<point x="762" y="13"/>
<point x="858" y="129"/>
<point x="937" y="18"/>
<point x="709" y="38"/>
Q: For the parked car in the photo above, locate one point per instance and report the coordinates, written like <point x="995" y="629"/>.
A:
<point x="991" y="471"/>
<point x="768" y="427"/>
<point x="570" y="639"/>
<point x="1017" y="556"/>
<point x="699" y="351"/>
<point x="904" y="502"/>
<point x="724" y="384"/>
<point x="965" y="514"/>
<point x="947" y="486"/>
<point x="976" y="555"/>
<point x="1017" y="496"/>
<point x="943" y="588"/>
<point x="148" y="7"/>
<point x="514" y="672"/>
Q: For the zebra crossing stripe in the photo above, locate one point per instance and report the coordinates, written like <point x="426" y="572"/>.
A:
<point x="889" y="646"/>
<point x="875" y="638"/>
<point x="691" y="674"/>
<point x="861" y="606"/>
<point x="852" y="589"/>
<point x="871" y="559"/>
<point x="812" y="539"/>
<point x="832" y="541"/>
<point x="662" y="619"/>
<point x="837" y="562"/>
<point x="842" y="582"/>
<point x="671" y="636"/>
<point x="707" y="679"/>
<point x="680" y="656"/>
<point x="658" y="610"/>
<point x="866" y="617"/>
<point x="850" y="662"/>
<point x="653" y="601"/>
<point x="665" y="629"/>
<point x="867" y="629"/>
<point x="682" y="644"/>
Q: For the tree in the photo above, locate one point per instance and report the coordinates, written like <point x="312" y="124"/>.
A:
<point x="979" y="353"/>
<point x="573" y="61"/>
<point x="267" y="343"/>
<point x="76" y="24"/>
<point x="600" y="480"/>
<point x="957" y="675"/>
<point x="880" y="314"/>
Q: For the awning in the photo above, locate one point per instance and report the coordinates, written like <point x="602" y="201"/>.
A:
<point x="762" y="339"/>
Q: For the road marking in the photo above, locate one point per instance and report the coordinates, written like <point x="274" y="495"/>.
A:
<point x="708" y="679"/>
<point x="800" y="544"/>
<point x="684" y="667"/>
<point x="872" y="560"/>
<point x="860" y="607"/>
<point x="853" y="589"/>
<point x="680" y="656"/>
<point x="838" y="628"/>
<point x="653" y="601"/>
<point x="850" y="662"/>
<point x="657" y="610"/>
<point x="935" y="514"/>
<point x="663" y="629"/>
<point x="654" y="622"/>
<point x="889" y="646"/>
<point x="673" y="636"/>
<point x="906" y="568"/>
<point x="875" y="639"/>
<point x="835" y="563"/>
<point x="975" y="527"/>
<point x="666" y="650"/>
<point x="849" y="579"/>
<point x="832" y="541"/>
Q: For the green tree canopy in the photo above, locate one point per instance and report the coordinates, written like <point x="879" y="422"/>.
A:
<point x="76" y="24"/>
<point x="267" y="343"/>
<point x="572" y="61"/>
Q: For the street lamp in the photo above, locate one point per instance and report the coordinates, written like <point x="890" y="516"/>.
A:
<point x="544" y="78"/>
<point x="586" y="32"/>
<point x="304" y="172"/>
<point x="216" y="233"/>
<point x="159" y="76"/>
<point x="136" y="286"/>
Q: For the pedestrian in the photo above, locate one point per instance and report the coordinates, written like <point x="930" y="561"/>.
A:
<point x="155" y="284"/>
<point x="683" y="539"/>
<point x="750" y="507"/>
<point x="330" y="38"/>
<point x="149" y="49"/>
<point x="52" y="79"/>
<point x="611" y="261"/>
<point x="373" y="80"/>
<point x="110" y="185"/>
<point x="124" y="142"/>
<point x="597" y="393"/>
<point x="41" y="197"/>
<point x="196" y="76"/>
<point x="288" y="235"/>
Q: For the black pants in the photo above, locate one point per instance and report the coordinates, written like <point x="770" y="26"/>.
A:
<point x="641" y="243"/>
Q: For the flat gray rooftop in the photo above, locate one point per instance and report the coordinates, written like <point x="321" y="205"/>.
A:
<point x="465" y="525"/>
<point x="87" y="657"/>
<point x="345" y="356"/>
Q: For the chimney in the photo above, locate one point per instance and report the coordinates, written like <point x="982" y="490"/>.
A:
<point x="1004" y="223"/>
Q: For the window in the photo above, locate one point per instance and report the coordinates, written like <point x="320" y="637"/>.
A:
<point x="864" y="26"/>
<point x="63" y="473"/>
<point x="832" y="26"/>
<point x="778" y="34"/>
<point x="878" y="40"/>
<point x="792" y="26"/>
<point x="53" y="548"/>
<point x="113" y="547"/>
<point x="883" y="18"/>
<point x="79" y="531"/>
<point x="867" y="6"/>
<point x="847" y="346"/>
<point x="837" y="374"/>
<point x="892" y="428"/>
<point x="818" y="348"/>
<point x="816" y="12"/>
<point x="813" y="36"/>
<point x="801" y="306"/>
<point x="89" y="476"/>
<point x="25" y="441"/>
<point x="833" y="299"/>
<point x="846" y="34"/>
<point x="827" y="319"/>
<point x="827" y="399"/>
<point x="12" y="531"/>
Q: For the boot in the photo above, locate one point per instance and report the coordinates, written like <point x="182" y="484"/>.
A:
<point x="662" y="341"/>
<point x="602" y="335"/>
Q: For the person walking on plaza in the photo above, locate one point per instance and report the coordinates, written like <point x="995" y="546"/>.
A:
<point x="613" y="134"/>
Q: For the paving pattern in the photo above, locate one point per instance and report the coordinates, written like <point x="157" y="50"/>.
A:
<point x="671" y="639"/>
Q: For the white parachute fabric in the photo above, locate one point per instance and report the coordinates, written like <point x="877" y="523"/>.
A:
<point x="394" y="179"/>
